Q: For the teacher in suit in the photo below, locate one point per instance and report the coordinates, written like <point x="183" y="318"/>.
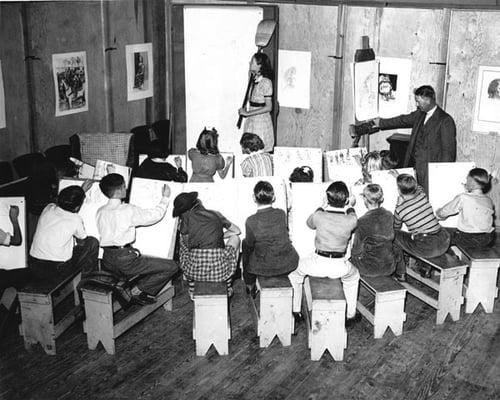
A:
<point x="433" y="134"/>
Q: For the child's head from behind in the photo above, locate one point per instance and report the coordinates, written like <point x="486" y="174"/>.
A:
<point x="372" y="161"/>
<point x="71" y="198"/>
<point x="388" y="160"/>
<point x="407" y="184"/>
<point x="337" y="194"/>
<point x="250" y="143"/>
<point x="373" y="195"/>
<point x="113" y="186"/>
<point x="207" y="141"/>
<point x="263" y="193"/>
<point x="478" y="178"/>
<point x="302" y="174"/>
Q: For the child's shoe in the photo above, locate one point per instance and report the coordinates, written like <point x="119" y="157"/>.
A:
<point x="349" y="322"/>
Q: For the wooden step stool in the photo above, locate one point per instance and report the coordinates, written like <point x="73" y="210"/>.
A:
<point x="38" y="302"/>
<point x="274" y="315"/>
<point x="389" y="305"/>
<point x="483" y="275"/>
<point x="103" y="324"/>
<point x="448" y="286"/>
<point x="211" y="323"/>
<point x="325" y="314"/>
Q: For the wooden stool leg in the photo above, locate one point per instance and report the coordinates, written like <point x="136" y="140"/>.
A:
<point x="389" y="312"/>
<point x="450" y="295"/>
<point x="99" y="320"/>
<point x="482" y="286"/>
<point x="167" y="306"/>
<point x="38" y="321"/>
<point x="275" y="318"/>
<point x="211" y="324"/>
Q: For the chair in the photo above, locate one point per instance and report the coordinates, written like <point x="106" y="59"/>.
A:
<point x="117" y="148"/>
<point x="25" y="165"/>
<point x="6" y="174"/>
<point x="161" y="129"/>
<point x="59" y="157"/>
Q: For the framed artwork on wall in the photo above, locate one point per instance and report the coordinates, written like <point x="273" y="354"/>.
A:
<point x="487" y="108"/>
<point x="139" y="71"/>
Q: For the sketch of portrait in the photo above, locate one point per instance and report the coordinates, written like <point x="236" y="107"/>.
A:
<point x="487" y="108"/>
<point x="494" y="89"/>
<point x="290" y="77"/>
<point x="387" y="86"/>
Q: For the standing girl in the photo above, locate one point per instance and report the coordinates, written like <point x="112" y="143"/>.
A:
<point x="258" y="116"/>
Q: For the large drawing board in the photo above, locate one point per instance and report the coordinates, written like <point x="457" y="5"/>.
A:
<point x="94" y="199"/>
<point x="445" y="182"/>
<point x="286" y="159"/>
<point x="103" y="168"/>
<point x="12" y="257"/>
<point x="157" y="240"/>
<point x="234" y="198"/>
<point x="217" y="178"/>
<point x="345" y="165"/>
<point x="389" y="185"/>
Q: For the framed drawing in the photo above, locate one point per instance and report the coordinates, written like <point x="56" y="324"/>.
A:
<point x="139" y="59"/>
<point x="487" y="108"/>
<point x="70" y="82"/>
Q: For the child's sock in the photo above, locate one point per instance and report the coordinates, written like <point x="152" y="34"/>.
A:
<point x="229" y="286"/>
<point x="191" y="289"/>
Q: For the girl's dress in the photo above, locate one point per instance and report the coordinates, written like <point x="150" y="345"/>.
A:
<point x="205" y="165"/>
<point x="261" y="124"/>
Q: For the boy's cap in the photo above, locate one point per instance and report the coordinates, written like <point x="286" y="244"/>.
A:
<point x="184" y="202"/>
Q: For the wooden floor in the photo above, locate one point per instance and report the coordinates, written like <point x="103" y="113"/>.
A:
<point x="156" y="360"/>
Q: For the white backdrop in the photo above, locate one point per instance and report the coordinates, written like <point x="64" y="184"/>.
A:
<point x="218" y="45"/>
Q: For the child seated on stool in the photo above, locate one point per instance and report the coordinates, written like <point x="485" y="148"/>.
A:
<point x="258" y="163"/>
<point x="266" y="249"/>
<point x="372" y="251"/>
<point x="116" y="222"/>
<point x="475" y="212"/>
<point x="157" y="167"/>
<point x="203" y="254"/>
<point x="425" y="237"/>
<point x="334" y="226"/>
<point x="52" y="251"/>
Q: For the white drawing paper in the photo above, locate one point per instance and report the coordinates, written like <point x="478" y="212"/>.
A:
<point x="12" y="257"/>
<point x="294" y="77"/>
<point x="366" y="89"/>
<point x="139" y="60"/>
<point x="393" y="86"/>
<point x="487" y="107"/>
<point x="387" y="182"/>
<point x="345" y="165"/>
<point x="103" y="168"/>
<point x="286" y="159"/>
<point x="70" y="82"/>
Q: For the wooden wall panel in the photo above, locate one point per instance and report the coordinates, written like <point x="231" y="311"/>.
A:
<point x="60" y="28"/>
<point x="125" y="27"/>
<point x="473" y="42"/>
<point x="418" y="34"/>
<point x="314" y="29"/>
<point x="15" y="137"/>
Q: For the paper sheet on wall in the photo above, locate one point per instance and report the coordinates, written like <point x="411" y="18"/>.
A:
<point x="12" y="257"/>
<point x="393" y="86"/>
<point x="445" y="182"/>
<point x="294" y="78"/>
<point x="345" y="165"/>
<point x="366" y="89"/>
<point x="217" y="178"/>
<point x="3" y="122"/>
<point x="103" y="168"/>
<point x="156" y="240"/>
<point x="487" y="107"/>
<point x="94" y="199"/>
<point x="286" y="159"/>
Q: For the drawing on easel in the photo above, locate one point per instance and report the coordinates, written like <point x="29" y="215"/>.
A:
<point x="70" y="82"/>
<point x="366" y="80"/>
<point x="487" y="108"/>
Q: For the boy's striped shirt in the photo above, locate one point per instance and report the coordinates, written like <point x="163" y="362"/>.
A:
<point x="417" y="214"/>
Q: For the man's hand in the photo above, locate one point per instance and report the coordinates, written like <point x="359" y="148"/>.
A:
<point x="87" y="184"/>
<point x="166" y="191"/>
<point x="13" y="212"/>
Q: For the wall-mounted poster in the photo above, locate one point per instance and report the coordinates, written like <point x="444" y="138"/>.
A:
<point x="2" y="101"/>
<point x="393" y="86"/>
<point x="139" y="71"/>
<point x="487" y="109"/>
<point x="366" y="89"/>
<point x="294" y="76"/>
<point x="70" y="82"/>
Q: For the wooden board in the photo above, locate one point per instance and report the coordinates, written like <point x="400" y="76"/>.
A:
<point x="286" y="159"/>
<point x="157" y="240"/>
<point x="12" y="257"/>
<point x="389" y="186"/>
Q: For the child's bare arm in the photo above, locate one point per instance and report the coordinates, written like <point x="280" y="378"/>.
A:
<point x="16" y="238"/>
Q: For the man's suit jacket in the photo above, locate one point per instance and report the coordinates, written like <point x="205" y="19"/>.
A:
<point x="434" y="141"/>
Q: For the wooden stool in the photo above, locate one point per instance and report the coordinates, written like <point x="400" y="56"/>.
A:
<point x="38" y="302"/>
<point x="389" y="305"/>
<point x="211" y="317"/>
<point x="325" y="313"/>
<point x="449" y="285"/>
<point x="275" y="316"/>
<point x="104" y="324"/>
<point x="483" y="273"/>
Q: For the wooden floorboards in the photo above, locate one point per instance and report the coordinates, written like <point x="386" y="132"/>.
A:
<point x="156" y="360"/>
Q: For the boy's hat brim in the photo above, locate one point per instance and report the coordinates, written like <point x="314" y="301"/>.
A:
<point x="184" y="202"/>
